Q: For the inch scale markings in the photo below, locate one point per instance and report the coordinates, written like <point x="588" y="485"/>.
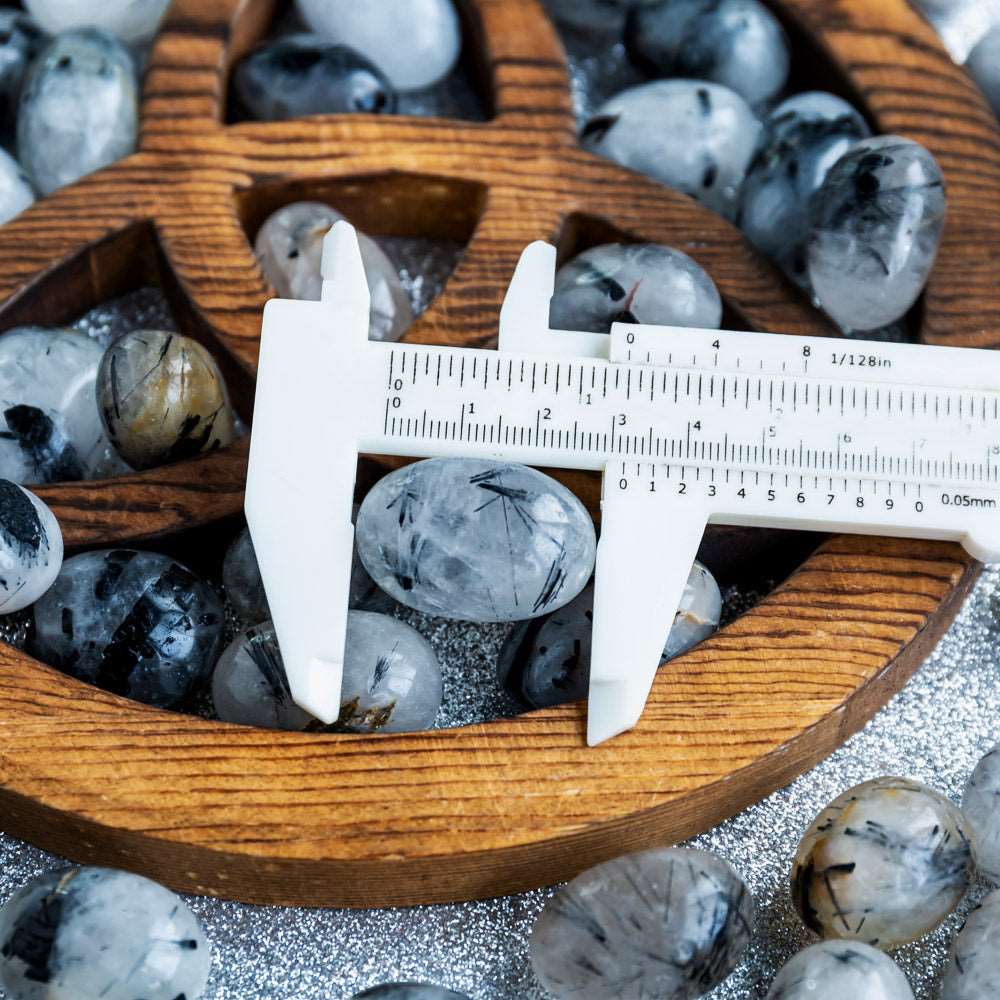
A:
<point x="688" y="427"/>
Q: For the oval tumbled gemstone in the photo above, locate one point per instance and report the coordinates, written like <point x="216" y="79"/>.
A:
<point x="633" y="283"/>
<point x="691" y="135"/>
<point x="476" y="540"/>
<point x="876" y="224"/>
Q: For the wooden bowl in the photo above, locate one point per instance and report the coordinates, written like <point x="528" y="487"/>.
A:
<point x="334" y="820"/>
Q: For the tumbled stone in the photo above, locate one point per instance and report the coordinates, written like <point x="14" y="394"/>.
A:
<point x="79" y="109"/>
<point x="100" y="934"/>
<point x="289" y="247"/>
<point x="840" y="970"/>
<point x="876" y="223"/>
<point x="547" y="661"/>
<point x="131" y="20"/>
<point x="597" y="17"/>
<point x="163" y="399"/>
<point x="303" y="74"/>
<point x="50" y="426"/>
<point x="250" y="687"/>
<point x="973" y="970"/>
<point x="245" y="589"/>
<point x="804" y="137"/>
<point x="414" y="42"/>
<point x="633" y="283"/>
<point x="981" y="808"/>
<point x="15" y="188"/>
<point x="694" y="136"/>
<point x="738" y="43"/>
<point x="138" y="624"/>
<point x="884" y="863"/>
<point x="984" y="65"/>
<point x="409" y="991"/>
<point x="670" y="923"/>
<point x="392" y="679"/>
<point x="476" y="540"/>
<point x="20" y="41"/>
<point x="31" y="547"/>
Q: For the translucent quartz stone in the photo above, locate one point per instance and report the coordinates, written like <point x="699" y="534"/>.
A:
<point x="476" y="540"/>
<point x="289" y="247"/>
<point x="409" y="991"/>
<point x="840" y="970"/>
<point x="15" y="188"/>
<point x="131" y="20"/>
<point x="884" y="863"/>
<point x="20" y="41"/>
<point x="984" y="65"/>
<point x="670" y="923"/>
<point x="547" y="661"/>
<point x="960" y="23"/>
<point x="981" y="808"/>
<point x="876" y="223"/>
<point x="414" y="42"/>
<point x="50" y="427"/>
<point x="79" y="109"/>
<point x="31" y="547"/>
<point x="245" y="589"/>
<point x="738" y="43"/>
<point x="973" y="970"/>
<point x="306" y="75"/>
<point x="697" y="137"/>
<point x="99" y="934"/>
<point x="250" y="687"/>
<point x="135" y="623"/>
<point x="633" y="283"/>
<point x="594" y="16"/>
<point x="804" y="137"/>
<point x="163" y="399"/>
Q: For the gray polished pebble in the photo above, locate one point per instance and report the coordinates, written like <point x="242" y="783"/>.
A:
<point x="670" y="924"/>
<point x="289" y="248"/>
<point x="392" y="679"/>
<point x="973" y="970"/>
<point x="250" y="687"/>
<point x="884" y="863"/>
<point x="984" y="65"/>
<point x="547" y="661"/>
<point x="981" y="808"/>
<point x="31" y="547"/>
<point x="50" y="426"/>
<point x="633" y="283"/>
<point x="598" y="17"/>
<point x="694" y="136"/>
<point x="132" y="21"/>
<point x="409" y="991"/>
<point x="476" y="540"/>
<point x="100" y="934"/>
<point x="303" y="74"/>
<point x="876" y="223"/>
<point x="163" y="399"/>
<point x="415" y="43"/>
<point x="16" y="193"/>
<point x="959" y="23"/>
<point x="79" y="109"/>
<point x="804" y="137"/>
<point x="840" y="970"/>
<point x="20" y="41"/>
<point x="738" y="43"/>
<point x="138" y="624"/>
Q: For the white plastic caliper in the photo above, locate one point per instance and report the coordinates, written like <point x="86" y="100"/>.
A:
<point x="688" y="427"/>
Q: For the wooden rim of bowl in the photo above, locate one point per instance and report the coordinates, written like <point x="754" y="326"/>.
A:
<point x="340" y="820"/>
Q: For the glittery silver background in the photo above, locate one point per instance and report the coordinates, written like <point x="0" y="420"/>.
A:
<point x="935" y="730"/>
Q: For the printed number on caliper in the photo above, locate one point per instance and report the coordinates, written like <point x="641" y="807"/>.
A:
<point x="688" y="426"/>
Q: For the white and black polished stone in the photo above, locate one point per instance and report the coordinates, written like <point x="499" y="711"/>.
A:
<point x="981" y="808"/>
<point x="973" y="970"/>
<point x="840" y="970"/>
<point x="31" y="547"/>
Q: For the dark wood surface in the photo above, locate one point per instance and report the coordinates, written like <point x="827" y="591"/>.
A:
<point x="489" y="809"/>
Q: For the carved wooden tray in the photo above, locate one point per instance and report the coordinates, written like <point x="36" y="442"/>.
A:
<point x="329" y="820"/>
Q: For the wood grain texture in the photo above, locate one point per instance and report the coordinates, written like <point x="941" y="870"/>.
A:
<point x="491" y="809"/>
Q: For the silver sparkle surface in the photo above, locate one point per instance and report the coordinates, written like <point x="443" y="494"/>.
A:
<point x="935" y="730"/>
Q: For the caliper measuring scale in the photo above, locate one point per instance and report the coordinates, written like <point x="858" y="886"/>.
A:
<point x="688" y="427"/>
